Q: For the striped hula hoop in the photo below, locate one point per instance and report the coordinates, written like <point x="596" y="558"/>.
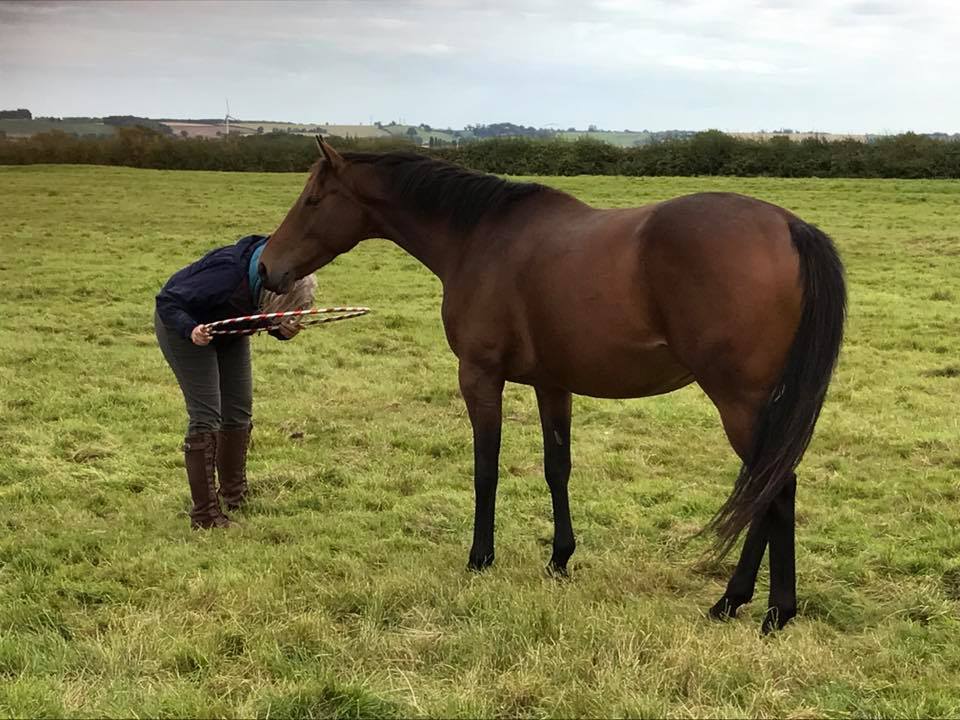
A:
<point x="269" y="321"/>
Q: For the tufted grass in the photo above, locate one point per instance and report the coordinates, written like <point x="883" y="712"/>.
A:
<point x="342" y="592"/>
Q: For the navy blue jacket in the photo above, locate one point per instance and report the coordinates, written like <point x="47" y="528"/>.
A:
<point x="215" y="287"/>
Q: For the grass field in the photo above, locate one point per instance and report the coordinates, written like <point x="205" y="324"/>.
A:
<point x="343" y="591"/>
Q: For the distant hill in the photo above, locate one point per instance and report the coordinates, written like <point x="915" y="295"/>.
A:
<point x="218" y="128"/>
<point x="26" y="128"/>
<point x="421" y="134"/>
<point x="79" y="126"/>
<point x="19" y="124"/>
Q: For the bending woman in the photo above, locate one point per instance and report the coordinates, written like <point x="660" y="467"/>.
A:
<point x="214" y="372"/>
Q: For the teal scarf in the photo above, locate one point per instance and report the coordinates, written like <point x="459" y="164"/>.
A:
<point x="253" y="274"/>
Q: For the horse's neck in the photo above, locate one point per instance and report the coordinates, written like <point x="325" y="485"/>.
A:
<point x="431" y="242"/>
<point x="436" y="244"/>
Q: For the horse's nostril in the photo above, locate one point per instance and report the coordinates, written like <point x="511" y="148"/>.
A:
<point x="262" y="271"/>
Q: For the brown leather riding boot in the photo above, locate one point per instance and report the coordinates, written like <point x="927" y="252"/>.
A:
<point x="199" y="453"/>
<point x="232" y="466"/>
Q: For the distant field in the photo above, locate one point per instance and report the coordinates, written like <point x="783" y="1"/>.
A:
<point x="207" y="130"/>
<point x="623" y="139"/>
<point x="797" y="137"/>
<point x="26" y="128"/>
<point x="23" y="128"/>
<point x="307" y="128"/>
<point x="362" y="131"/>
<point x="342" y="592"/>
<point x="356" y="131"/>
<point x="402" y="130"/>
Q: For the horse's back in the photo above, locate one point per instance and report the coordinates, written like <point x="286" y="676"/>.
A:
<point x="628" y="302"/>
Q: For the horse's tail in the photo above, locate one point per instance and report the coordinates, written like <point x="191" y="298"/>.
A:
<point x="785" y="424"/>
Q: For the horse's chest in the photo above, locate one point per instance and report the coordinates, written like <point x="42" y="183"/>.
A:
<point x="487" y="330"/>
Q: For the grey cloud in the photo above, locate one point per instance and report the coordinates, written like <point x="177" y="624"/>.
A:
<point x="734" y="64"/>
<point x="875" y="7"/>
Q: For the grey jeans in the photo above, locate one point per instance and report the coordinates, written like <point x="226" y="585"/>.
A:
<point x="216" y="381"/>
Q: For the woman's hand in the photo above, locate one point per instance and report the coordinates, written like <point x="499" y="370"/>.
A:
<point x="201" y="335"/>
<point x="289" y="328"/>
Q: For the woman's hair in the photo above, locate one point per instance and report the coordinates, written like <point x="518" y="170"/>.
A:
<point x="300" y="297"/>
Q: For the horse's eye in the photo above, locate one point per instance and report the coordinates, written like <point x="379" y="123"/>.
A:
<point x="312" y="200"/>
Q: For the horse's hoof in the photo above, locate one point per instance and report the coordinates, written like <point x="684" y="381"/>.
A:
<point x="479" y="563"/>
<point x="556" y="571"/>
<point x="725" y="608"/>
<point x="776" y="618"/>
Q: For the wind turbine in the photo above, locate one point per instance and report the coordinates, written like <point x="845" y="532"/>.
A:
<point x="228" y="117"/>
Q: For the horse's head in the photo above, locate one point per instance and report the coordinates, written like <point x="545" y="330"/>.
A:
<point x="326" y="220"/>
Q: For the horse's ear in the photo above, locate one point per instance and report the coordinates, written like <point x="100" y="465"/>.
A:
<point x="333" y="158"/>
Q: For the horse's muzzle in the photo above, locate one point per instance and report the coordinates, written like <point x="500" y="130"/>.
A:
<point x="279" y="285"/>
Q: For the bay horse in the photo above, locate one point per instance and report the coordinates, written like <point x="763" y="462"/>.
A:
<point x="539" y="288"/>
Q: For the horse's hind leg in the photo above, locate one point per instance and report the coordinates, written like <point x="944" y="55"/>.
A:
<point x="738" y="419"/>
<point x="555" y="409"/>
<point x="783" y="574"/>
<point x="775" y="527"/>
<point x="744" y="579"/>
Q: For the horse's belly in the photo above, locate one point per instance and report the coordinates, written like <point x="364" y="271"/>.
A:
<point x="612" y="372"/>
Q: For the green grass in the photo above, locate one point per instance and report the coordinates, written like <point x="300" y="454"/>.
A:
<point x="343" y="593"/>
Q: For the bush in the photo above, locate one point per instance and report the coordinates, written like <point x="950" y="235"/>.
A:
<point x="706" y="153"/>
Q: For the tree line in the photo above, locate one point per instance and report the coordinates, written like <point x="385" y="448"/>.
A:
<point x="18" y="114"/>
<point x="706" y="153"/>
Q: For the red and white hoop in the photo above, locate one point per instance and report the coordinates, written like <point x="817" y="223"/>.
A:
<point x="250" y="324"/>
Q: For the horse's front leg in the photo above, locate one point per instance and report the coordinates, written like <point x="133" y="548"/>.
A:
<point x="483" y="394"/>
<point x="555" y="408"/>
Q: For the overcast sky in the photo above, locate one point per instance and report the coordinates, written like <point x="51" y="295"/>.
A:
<point x="826" y="65"/>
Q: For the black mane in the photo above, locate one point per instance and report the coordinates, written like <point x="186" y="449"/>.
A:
<point x="436" y="187"/>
